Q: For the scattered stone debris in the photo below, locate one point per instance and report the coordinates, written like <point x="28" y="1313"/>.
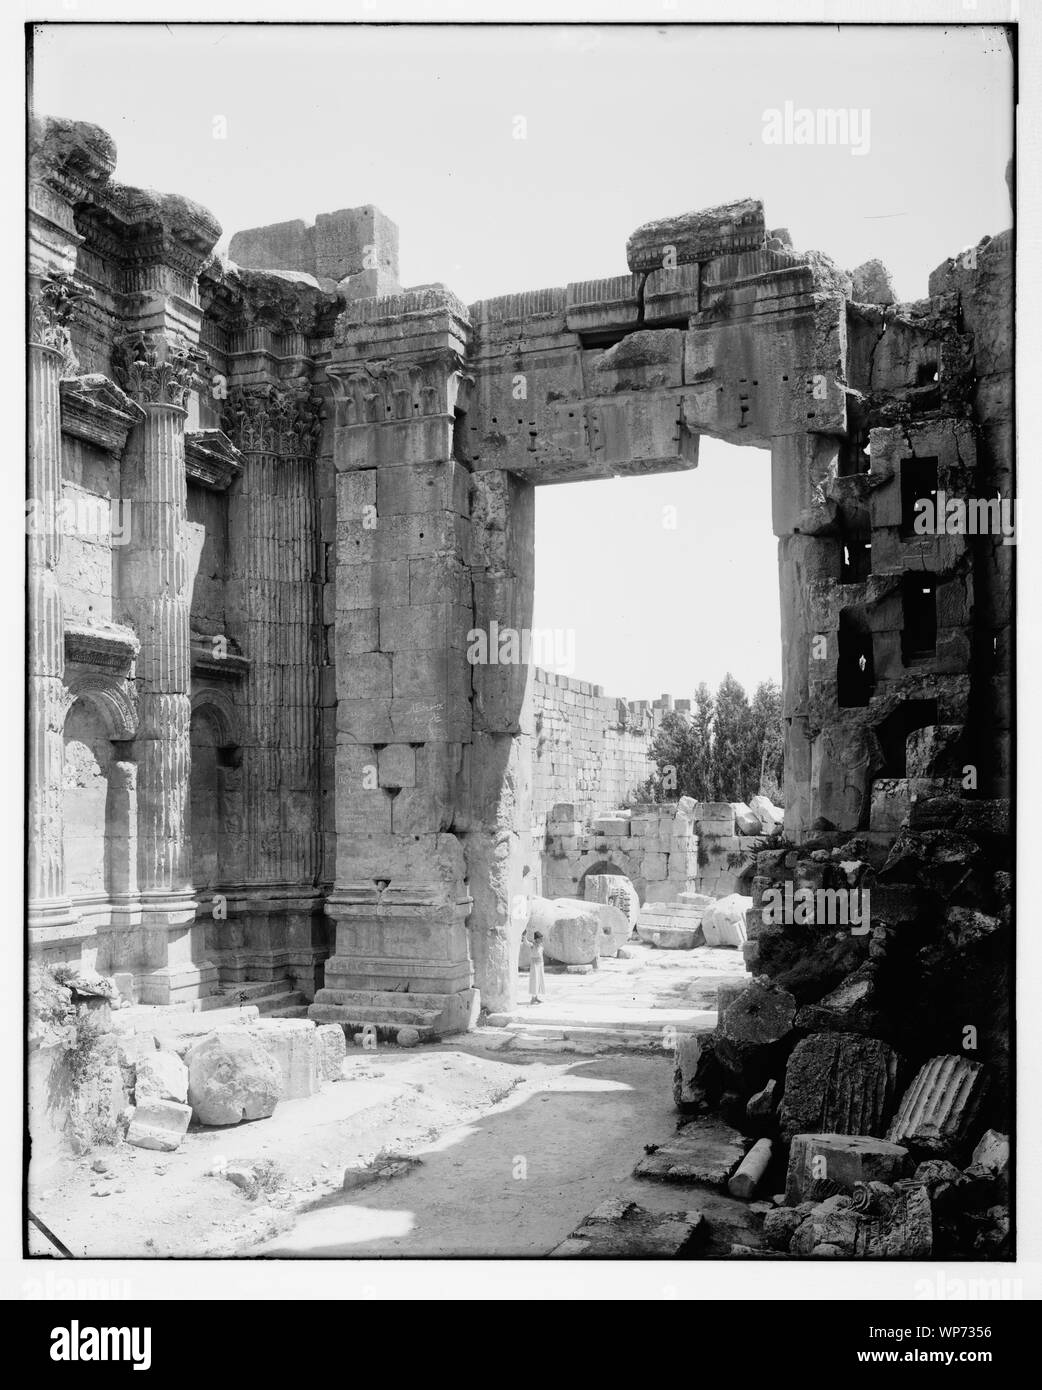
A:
<point x="624" y="1230"/>
<point x="704" y="1151"/>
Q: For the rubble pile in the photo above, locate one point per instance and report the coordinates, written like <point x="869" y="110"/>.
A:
<point x="866" y="1062"/>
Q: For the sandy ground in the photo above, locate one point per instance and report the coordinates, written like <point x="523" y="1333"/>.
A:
<point x="517" y="1139"/>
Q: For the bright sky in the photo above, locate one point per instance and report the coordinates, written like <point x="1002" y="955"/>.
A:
<point x="623" y="125"/>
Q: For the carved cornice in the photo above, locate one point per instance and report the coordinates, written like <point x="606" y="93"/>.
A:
<point x="74" y="158"/>
<point x="283" y="419"/>
<point x="112" y="647"/>
<point x="154" y="368"/>
<point x="211" y="459"/>
<point x="95" y="409"/>
<point x="139" y="228"/>
<point x="209" y="664"/>
<point x="54" y="301"/>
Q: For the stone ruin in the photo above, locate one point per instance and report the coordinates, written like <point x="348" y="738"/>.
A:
<point x="270" y="500"/>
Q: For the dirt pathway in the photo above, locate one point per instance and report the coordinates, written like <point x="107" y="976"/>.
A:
<point x="516" y="1181"/>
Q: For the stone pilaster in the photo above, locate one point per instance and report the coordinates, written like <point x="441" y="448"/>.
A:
<point x="401" y="610"/>
<point x="157" y="372"/>
<point x="274" y="525"/>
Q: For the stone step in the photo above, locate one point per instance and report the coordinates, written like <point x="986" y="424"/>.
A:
<point x="280" y="999"/>
<point x="587" y="1038"/>
<point x="386" y="1018"/>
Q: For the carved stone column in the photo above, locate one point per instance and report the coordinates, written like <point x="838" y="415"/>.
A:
<point x="157" y="371"/>
<point x="51" y="306"/>
<point x="275" y="595"/>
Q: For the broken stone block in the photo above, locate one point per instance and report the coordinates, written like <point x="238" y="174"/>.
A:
<point x="331" y="1043"/>
<point x="232" y="1077"/>
<point x="849" y="1008"/>
<point x="723" y="924"/>
<point x="675" y="926"/>
<point x="935" y="751"/>
<point x="753" y="1031"/>
<point x="292" y="1043"/>
<point x="617" y="891"/>
<point x="571" y="929"/>
<point x="780" y="1225"/>
<point x="838" y="1083"/>
<point x="407" y="1037"/>
<point x="695" y="237"/>
<point x="771" y="817"/>
<point x="746" y="822"/>
<point x="704" y="1151"/>
<point x="623" y="1230"/>
<point x="992" y="1152"/>
<point x="160" y="1076"/>
<point x="843" y="1160"/>
<point x="751" y="1170"/>
<point x="940" y="1105"/>
<point x="687" y="1094"/>
<point x="158" y="1124"/>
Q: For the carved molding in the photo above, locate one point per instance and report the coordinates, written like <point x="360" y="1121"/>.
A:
<point x="156" y="368"/>
<point x="95" y="409"/>
<point x="111" y="647"/>
<point x="211" y="459"/>
<point x="283" y="419"/>
<point x="209" y="664"/>
<point x="109" y="696"/>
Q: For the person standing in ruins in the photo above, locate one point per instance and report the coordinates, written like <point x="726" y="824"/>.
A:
<point x="536" y="978"/>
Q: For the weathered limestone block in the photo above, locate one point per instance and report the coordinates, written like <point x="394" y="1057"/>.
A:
<point x="571" y="929"/>
<point x="992" y="1152"/>
<point x="843" y="1160"/>
<point x="160" y="1076"/>
<point x="623" y="1230"/>
<point x="617" y="891"/>
<point x="332" y="1050"/>
<point x="158" y="1124"/>
<point x="849" y="1008"/>
<point x="724" y="922"/>
<point x="232" y="1077"/>
<point x="293" y="1044"/>
<point x="689" y="1051"/>
<point x="753" y="1031"/>
<point x="771" y="817"/>
<point x="745" y="819"/>
<point x="695" y="237"/>
<point x="675" y="926"/>
<point x="839" y="1083"/>
<point x="939" y="1107"/>
<point x="935" y="751"/>
<point x="704" y="1151"/>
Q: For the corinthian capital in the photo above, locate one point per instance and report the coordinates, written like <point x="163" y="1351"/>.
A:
<point x="155" y="368"/>
<point x="53" y="304"/>
<point x="284" y="420"/>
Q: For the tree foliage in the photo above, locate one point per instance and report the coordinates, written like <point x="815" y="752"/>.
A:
<point x="728" y="749"/>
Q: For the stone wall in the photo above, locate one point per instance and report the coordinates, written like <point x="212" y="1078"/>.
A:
<point x="590" y="749"/>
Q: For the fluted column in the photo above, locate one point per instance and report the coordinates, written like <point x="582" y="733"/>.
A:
<point x="51" y="306"/>
<point x="274" y="527"/>
<point x="157" y="371"/>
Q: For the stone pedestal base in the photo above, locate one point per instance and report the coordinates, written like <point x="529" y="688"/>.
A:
<point x="401" y="959"/>
<point x="276" y="935"/>
<point x="176" y="967"/>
